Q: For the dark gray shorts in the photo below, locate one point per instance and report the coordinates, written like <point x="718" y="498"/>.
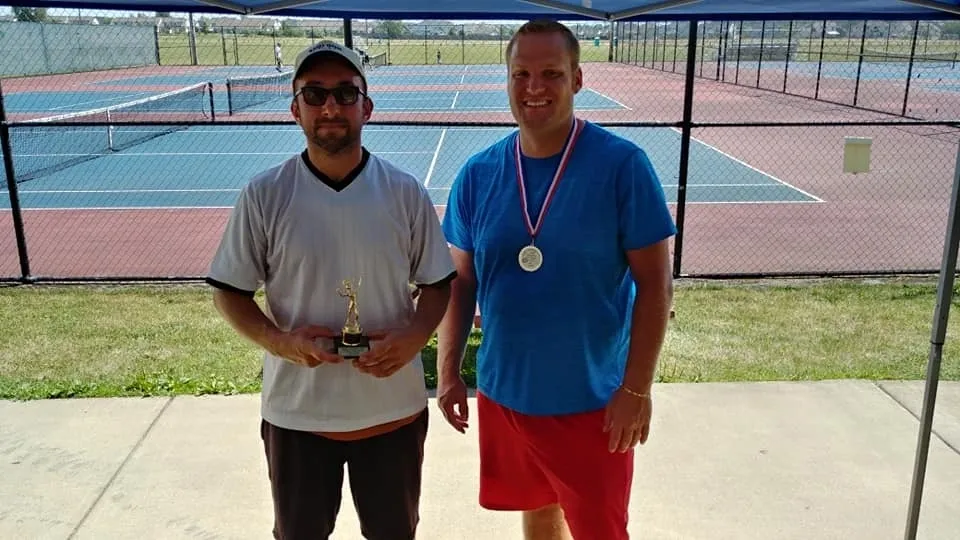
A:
<point x="306" y="479"/>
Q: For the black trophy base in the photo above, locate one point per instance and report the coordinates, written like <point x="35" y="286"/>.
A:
<point x="351" y="346"/>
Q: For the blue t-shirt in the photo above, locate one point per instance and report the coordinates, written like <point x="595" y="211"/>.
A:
<point x="555" y="341"/>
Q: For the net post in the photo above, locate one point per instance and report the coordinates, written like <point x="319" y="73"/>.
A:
<point x="213" y="113"/>
<point x="109" y="132"/>
<point x="685" y="144"/>
<point x="229" y="99"/>
<point x="8" y="167"/>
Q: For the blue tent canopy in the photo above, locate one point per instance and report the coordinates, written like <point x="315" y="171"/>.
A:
<point x="606" y="10"/>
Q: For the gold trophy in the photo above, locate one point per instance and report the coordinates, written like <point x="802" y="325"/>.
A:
<point x="351" y="343"/>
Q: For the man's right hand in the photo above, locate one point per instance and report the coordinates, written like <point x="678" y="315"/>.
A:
<point x="452" y="399"/>
<point x="300" y="346"/>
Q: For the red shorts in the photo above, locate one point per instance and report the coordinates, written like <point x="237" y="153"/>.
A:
<point x="528" y="462"/>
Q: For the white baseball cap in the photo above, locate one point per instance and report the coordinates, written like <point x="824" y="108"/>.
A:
<point x="329" y="47"/>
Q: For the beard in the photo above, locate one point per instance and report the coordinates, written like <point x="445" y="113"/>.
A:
<point x="332" y="142"/>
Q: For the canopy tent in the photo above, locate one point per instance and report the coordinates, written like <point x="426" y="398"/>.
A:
<point x="607" y="10"/>
<point x="632" y="10"/>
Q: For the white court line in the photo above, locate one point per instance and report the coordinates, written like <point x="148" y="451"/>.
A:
<point x="100" y="100"/>
<point x="751" y="167"/>
<point x="407" y="99"/>
<point x="433" y="162"/>
<point x="457" y="95"/>
<point x="601" y="94"/>
<point x="689" y="203"/>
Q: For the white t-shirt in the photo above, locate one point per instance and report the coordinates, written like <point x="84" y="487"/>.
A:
<point x="298" y="234"/>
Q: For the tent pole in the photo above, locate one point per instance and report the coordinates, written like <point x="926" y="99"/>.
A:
<point x="941" y="314"/>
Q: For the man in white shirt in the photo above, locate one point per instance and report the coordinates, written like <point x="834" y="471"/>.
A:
<point x="300" y="229"/>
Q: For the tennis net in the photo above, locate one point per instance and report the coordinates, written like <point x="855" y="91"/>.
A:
<point x="246" y="92"/>
<point x="924" y="60"/>
<point x="41" y="148"/>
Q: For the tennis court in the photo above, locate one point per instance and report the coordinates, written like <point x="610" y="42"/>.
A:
<point x="146" y="200"/>
<point x="204" y="166"/>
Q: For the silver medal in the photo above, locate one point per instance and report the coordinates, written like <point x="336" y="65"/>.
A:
<point x="530" y="258"/>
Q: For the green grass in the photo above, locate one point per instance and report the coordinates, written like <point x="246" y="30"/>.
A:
<point x="85" y="341"/>
<point x="212" y="49"/>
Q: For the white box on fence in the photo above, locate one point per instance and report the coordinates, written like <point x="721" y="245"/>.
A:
<point x="856" y="154"/>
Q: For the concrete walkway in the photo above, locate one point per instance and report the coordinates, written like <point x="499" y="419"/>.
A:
<point x="822" y="460"/>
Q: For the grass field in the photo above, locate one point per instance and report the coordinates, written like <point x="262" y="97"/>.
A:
<point x="230" y="49"/>
<point x="76" y="341"/>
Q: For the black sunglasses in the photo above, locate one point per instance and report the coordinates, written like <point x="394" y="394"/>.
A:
<point x="317" y="95"/>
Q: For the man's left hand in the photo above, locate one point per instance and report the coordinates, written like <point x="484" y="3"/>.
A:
<point x="389" y="351"/>
<point x="627" y="420"/>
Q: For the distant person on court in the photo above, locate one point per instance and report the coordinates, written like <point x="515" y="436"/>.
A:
<point x="278" y="55"/>
<point x="299" y="230"/>
<point x="560" y="230"/>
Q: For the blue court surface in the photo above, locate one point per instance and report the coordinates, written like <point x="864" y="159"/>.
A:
<point x="206" y="166"/>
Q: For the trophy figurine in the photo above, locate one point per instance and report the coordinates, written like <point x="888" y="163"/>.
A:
<point x="351" y="343"/>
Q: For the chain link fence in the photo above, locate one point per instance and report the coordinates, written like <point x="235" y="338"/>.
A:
<point x="129" y="172"/>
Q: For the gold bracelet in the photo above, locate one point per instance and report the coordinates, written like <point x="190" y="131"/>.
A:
<point x="632" y="393"/>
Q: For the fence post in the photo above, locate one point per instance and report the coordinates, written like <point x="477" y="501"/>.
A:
<point x="941" y="316"/>
<point x="610" y="51"/>
<point x="703" y="47"/>
<point x="676" y="45"/>
<point x="856" y="85"/>
<point x="643" y="51"/>
<point x="223" y="43"/>
<point x="348" y="33"/>
<point x="736" y="76"/>
<point x="722" y="43"/>
<point x="156" y="41"/>
<point x="500" y="30"/>
<point x="786" y="67"/>
<point x="12" y="192"/>
<point x="685" y="144"/>
<point x="192" y="40"/>
<point x="823" y="39"/>
<point x="653" y="60"/>
<point x="763" y="35"/>
<point x="913" y="51"/>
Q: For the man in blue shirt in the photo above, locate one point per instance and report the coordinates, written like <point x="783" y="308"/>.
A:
<point x="561" y="232"/>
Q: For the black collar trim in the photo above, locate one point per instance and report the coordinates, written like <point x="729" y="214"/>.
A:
<point x="347" y="180"/>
